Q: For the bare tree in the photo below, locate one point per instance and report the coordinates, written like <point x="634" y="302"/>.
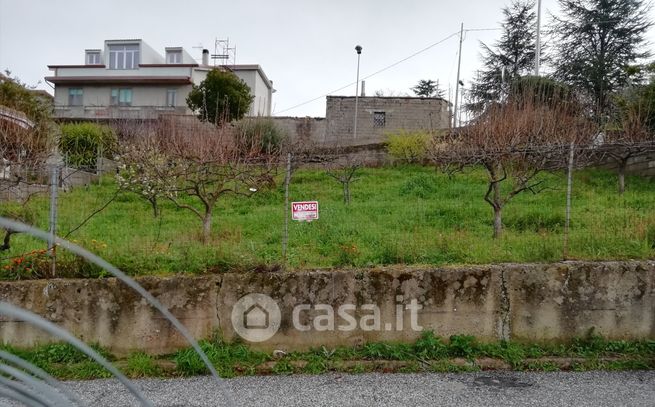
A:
<point x="631" y="135"/>
<point x="343" y="168"/>
<point x="514" y="142"/>
<point x="199" y="161"/>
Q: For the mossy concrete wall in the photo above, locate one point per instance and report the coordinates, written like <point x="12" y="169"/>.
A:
<point x="535" y="302"/>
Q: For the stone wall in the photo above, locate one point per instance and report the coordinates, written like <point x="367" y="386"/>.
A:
<point x="303" y="129"/>
<point x="643" y="164"/>
<point x="536" y="302"/>
<point x="380" y="116"/>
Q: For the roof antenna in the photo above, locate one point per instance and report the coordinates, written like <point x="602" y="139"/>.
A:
<point x="226" y="54"/>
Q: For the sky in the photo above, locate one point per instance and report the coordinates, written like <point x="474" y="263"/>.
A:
<point x="306" y="47"/>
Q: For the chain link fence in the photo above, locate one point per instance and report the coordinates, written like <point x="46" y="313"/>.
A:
<point x="369" y="214"/>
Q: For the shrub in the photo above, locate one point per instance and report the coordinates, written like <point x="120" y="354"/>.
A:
<point x="408" y="147"/>
<point x="264" y="130"/>
<point x="82" y="143"/>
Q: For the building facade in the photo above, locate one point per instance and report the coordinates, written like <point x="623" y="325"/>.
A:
<point x="128" y="79"/>
<point x="260" y="87"/>
<point x="377" y="117"/>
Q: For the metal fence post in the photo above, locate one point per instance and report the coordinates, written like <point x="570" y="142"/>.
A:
<point x="54" y="163"/>
<point x="285" y="236"/>
<point x="569" y="186"/>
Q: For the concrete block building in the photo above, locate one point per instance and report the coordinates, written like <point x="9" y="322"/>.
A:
<point x="378" y="117"/>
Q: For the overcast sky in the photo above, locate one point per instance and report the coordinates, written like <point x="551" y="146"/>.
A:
<point x="306" y="47"/>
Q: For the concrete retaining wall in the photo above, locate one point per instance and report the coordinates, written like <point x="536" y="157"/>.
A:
<point x="535" y="302"/>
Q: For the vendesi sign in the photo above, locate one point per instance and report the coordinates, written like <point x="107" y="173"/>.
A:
<point x="304" y="211"/>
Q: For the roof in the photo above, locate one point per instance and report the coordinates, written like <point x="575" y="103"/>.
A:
<point x="387" y="97"/>
<point x="51" y="67"/>
<point x="119" y="80"/>
<point x="124" y="40"/>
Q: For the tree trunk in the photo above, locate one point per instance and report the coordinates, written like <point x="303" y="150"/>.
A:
<point x="621" y="170"/>
<point x="498" y="222"/>
<point x="206" y="227"/>
<point x="498" y="207"/>
<point x="346" y="193"/>
<point x="6" y="241"/>
<point x="155" y="207"/>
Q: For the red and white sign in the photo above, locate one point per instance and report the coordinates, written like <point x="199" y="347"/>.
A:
<point x="306" y="211"/>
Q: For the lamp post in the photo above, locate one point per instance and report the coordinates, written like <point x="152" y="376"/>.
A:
<point x="537" y="54"/>
<point x="358" y="48"/>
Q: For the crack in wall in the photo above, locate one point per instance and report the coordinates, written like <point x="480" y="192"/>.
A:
<point x="505" y="308"/>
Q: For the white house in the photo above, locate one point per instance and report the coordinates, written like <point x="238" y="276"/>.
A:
<point x="128" y="79"/>
<point x="260" y="87"/>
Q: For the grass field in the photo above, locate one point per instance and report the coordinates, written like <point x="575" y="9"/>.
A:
<point x="398" y="215"/>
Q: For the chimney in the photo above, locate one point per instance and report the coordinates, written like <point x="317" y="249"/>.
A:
<point x="205" y="57"/>
<point x="363" y="88"/>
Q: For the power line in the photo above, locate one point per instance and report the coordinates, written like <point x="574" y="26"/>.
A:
<point x="374" y="73"/>
<point x="483" y="29"/>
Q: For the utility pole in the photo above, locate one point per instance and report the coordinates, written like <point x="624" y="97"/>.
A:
<point x="459" y="65"/>
<point x="537" y="54"/>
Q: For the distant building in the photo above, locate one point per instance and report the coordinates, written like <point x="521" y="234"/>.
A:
<point x="377" y="118"/>
<point x="127" y="79"/>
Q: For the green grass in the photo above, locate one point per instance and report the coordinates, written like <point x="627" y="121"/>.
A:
<point x="460" y="353"/>
<point x="398" y="215"/>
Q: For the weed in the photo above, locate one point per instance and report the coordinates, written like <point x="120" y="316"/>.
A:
<point x="428" y="352"/>
<point x="463" y="346"/>
<point x="283" y="367"/>
<point x="140" y="365"/>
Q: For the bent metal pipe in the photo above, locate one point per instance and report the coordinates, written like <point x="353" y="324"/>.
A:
<point x="39" y="234"/>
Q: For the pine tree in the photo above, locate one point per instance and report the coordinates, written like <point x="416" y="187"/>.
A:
<point x="597" y="40"/>
<point x="428" y="88"/>
<point x="509" y="58"/>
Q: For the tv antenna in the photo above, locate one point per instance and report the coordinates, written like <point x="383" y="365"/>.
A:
<point x="223" y="53"/>
<point x="200" y="47"/>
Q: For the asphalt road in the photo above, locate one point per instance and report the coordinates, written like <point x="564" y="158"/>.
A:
<point x="596" y="389"/>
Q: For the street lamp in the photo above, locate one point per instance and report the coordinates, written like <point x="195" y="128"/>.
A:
<point x="358" y="48"/>
<point x="537" y="54"/>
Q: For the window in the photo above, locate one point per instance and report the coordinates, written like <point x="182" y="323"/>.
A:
<point x="174" y="57"/>
<point x="124" y="56"/>
<point x="93" y="58"/>
<point x="121" y="97"/>
<point x="379" y="119"/>
<point x="75" y="96"/>
<point x="171" y="97"/>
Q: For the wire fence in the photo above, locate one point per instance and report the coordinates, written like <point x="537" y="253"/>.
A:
<point x="332" y="211"/>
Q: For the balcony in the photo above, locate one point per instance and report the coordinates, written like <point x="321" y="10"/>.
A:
<point x="116" y="112"/>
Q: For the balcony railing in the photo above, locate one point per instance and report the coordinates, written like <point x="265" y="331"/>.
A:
<point x="116" y="112"/>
